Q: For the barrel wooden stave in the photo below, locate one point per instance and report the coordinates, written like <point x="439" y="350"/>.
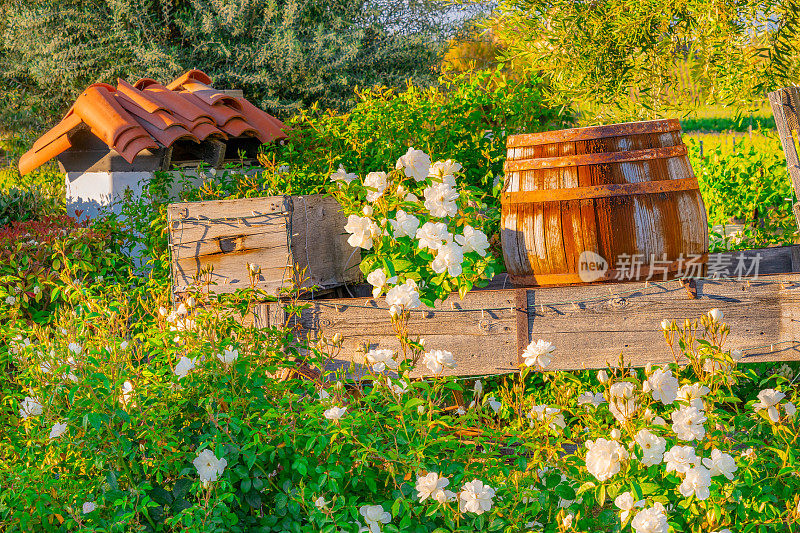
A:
<point x="547" y="238"/>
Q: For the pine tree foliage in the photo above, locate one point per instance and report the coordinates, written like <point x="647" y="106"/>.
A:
<point x="285" y="54"/>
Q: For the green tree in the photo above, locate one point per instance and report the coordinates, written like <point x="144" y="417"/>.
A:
<point x="621" y="59"/>
<point x="284" y="54"/>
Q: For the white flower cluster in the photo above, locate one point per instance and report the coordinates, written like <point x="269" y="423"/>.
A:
<point x="424" y="225"/>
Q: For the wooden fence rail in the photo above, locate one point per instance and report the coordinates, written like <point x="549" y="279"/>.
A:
<point x="591" y="325"/>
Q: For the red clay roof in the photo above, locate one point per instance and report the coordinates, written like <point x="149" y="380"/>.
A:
<point x="131" y="118"/>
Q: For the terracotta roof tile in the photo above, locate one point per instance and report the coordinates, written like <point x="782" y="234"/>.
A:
<point x="131" y="118"/>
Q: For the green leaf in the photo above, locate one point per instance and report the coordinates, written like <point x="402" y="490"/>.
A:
<point x="253" y="499"/>
<point x="181" y="488"/>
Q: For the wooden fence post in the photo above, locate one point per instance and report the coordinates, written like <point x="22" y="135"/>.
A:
<point x="785" y="105"/>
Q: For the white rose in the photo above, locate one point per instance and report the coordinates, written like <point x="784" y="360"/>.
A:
<point x="651" y="520"/>
<point x="376" y="181"/>
<point x="664" y="386"/>
<point x="715" y="315"/>
<point x="59" y="428"/>
<point x="680" y="459"/>
<point x="769" y="399"/>
<point x="208" y="466"/>
<point x="693" y="394"/>
<point x="342" y="175"/>
<point x="377" y="278"/>
<point x="696" y="481"/>
<point x="438" y="360"/>
<point x="493" y="403"/>
<point x="30" y="407"/>
<point x="440" y="200"/>
<point x="589" y="398"/>
<point x="622" y="402"/>
<point x="604" y="458"/>
<point x="538" y="353"/>
<point x="687" y="423"/>
<point x="432" y="235"/>
<point x="379" y="359"/>
<point x="720" y="464"/>
<point x="415" y="164"/>
<point x="184" y="366"/>
<point x="403" y="297"/>
<point x="228" y="356"/>
<point x="625" y="504"/>
<point x="362" y="230"/>
<point x="551" y="415"/>
<point x="652" y="445"/>
<point x="404" y="224"/>
<point x="320" y="503"/>
<point x="475" y="497"/>
<point x="448" y="258"/>
<point x="429" y="485"/>
<point x="335" y="413"/>
<point x="374" y="516"/>
<point x="444" y="171"/>
<point x="473" y="240"/>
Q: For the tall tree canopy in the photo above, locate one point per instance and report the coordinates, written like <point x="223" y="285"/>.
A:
<point x="283" y="53"/>
<point x="622" y="59"/>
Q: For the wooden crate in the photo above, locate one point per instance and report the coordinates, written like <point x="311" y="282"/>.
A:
<point x="275" y="233"/>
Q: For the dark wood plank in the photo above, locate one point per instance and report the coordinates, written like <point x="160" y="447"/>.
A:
<point x="592" y="326"/>
<point x="482" y="342"/>
<point x="785" y="105"/>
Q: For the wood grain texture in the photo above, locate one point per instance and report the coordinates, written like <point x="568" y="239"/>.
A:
<point x="272" y="232"/>
<point x="624" y="319"/>
<point x="550" y="216"/>
<point x="785" y="105"/>
<point x="481" y="342"/>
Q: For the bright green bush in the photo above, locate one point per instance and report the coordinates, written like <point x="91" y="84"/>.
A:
<point x="749" y="186"/>
<point x="105" y="414"/>
<point x="466" y="119"/>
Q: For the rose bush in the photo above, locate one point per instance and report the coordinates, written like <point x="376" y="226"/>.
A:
<point x="114" y="424"/>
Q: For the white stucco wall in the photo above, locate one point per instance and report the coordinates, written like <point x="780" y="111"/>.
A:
<point x="90" y="192"/>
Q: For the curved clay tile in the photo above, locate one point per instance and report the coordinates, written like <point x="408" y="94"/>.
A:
<point x="98" y="108"/>
<point x="167" y="136"/>
<point x="134" y="147"/>
<point x="193" y="74"/>
<point x="238" y="127"/>
<point x="32" y="160"/>
<point x="144" y="83"/>
<point x="268" y="127"/>
<point x="70" y="122"/>
<point x="131" y="118"/>
<point x="221" y="114"/>
<point x="209" y="95"/>
<point x="132" y="141"/>
<point x="128" y="92"/>
<point x="176" y="103"/>
<point x="204" y="130"/>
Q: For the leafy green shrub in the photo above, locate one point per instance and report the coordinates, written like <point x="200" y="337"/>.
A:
<point x="23" y="205"/>
<point x="466" y="119"/>
<point x="751" y="187"/>
<point x="173" y="422"/>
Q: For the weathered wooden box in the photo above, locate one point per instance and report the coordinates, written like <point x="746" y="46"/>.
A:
<point x="276" y="233"/>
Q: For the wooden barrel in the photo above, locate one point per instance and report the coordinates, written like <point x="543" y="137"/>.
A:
<point x="623" y="193"/>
